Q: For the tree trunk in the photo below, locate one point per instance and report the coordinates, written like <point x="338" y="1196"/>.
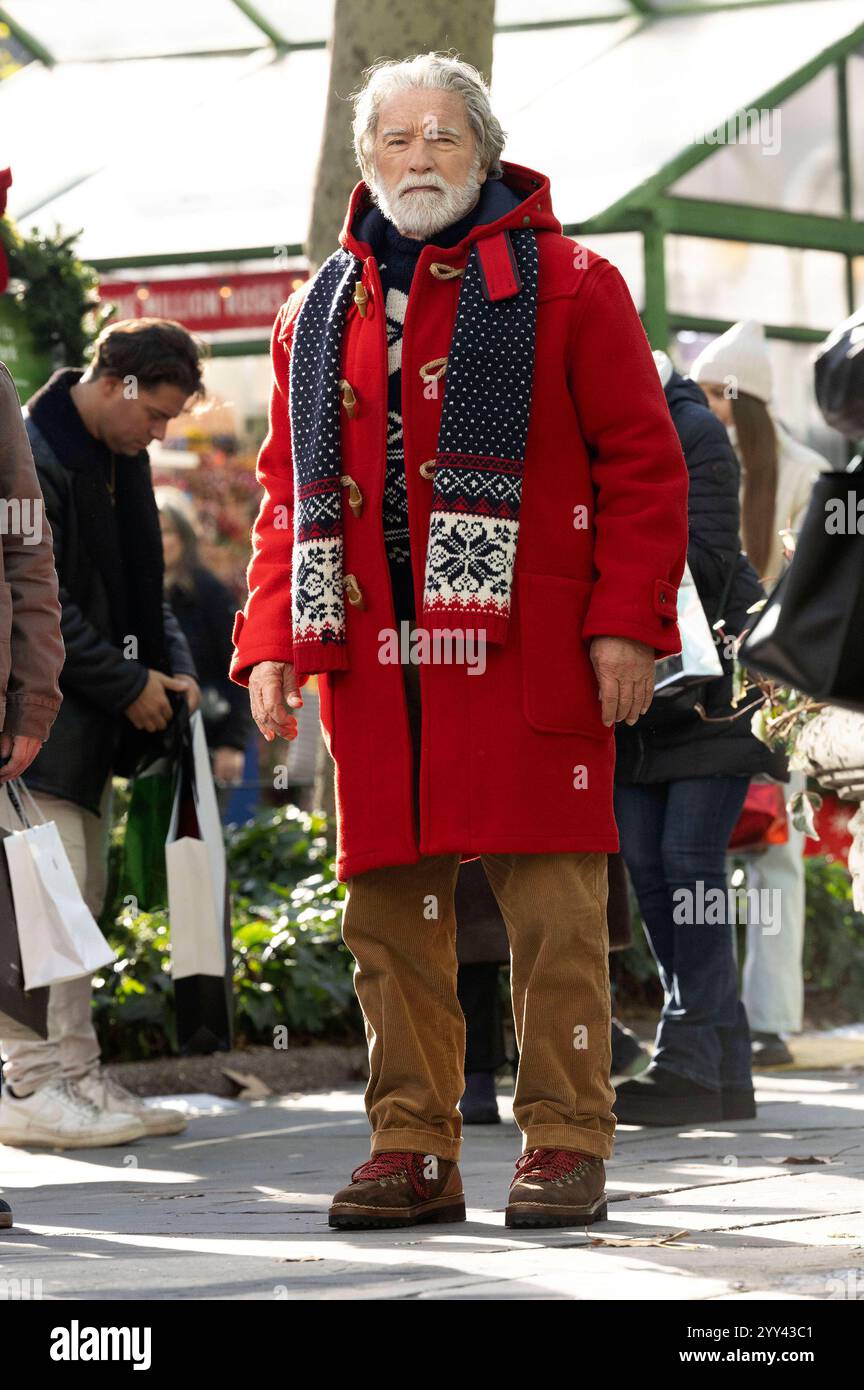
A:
<point x="363" y="32"/>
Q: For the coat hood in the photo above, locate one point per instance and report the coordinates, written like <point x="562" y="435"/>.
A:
<point x="533" y="209"/>
<point x="680" y="389"/>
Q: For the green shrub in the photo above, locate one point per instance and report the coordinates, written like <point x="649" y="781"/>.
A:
<point x="833" y="945"/>
<point x="290" y="967"/>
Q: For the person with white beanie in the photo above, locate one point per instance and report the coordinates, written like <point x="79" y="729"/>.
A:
<point x="777" y="473"/>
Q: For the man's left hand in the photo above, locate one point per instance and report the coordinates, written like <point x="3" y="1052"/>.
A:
<point x="625" y="674"/>
<point x="23" y="750"/>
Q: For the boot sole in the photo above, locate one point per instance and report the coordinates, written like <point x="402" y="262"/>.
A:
<point x="524" y="1214"/>
<point x="370" y="1218"/>
<point x="47" y="1140"/>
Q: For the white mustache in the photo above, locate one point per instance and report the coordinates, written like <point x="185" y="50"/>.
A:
<point x="422" y="183"/>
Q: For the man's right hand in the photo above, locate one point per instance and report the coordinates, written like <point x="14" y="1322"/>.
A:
<point x="152" y="710"/>
<point x="272" y="689"/>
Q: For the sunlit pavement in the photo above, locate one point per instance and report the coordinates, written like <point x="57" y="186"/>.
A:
<point x="236" y="1208"/>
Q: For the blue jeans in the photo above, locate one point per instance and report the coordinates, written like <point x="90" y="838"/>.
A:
<point x="674" y="837"/>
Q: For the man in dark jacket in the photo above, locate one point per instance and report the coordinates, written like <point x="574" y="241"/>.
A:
<point x="680" y="780"/>
<point x="125" y="654"/>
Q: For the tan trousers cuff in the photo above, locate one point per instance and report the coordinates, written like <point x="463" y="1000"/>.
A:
<point x="418" y="1141"/>
<point x="585" y="1141"/>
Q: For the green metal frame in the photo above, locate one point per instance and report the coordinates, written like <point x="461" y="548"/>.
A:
<point x="253" y="14"/>
<point x="26" y="39"/>
<point x="653" y="212"/>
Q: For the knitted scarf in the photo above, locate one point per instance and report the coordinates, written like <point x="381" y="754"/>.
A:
<point x="477" y="482"/>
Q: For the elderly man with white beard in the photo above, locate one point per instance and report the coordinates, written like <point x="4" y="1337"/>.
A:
<point x="450" y="455"/>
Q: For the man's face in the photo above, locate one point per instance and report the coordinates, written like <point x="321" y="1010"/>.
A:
<point x="128" y="422"/>
<point x="424" y="157"/>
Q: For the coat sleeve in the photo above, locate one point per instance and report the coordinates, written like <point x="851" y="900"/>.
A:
<point x="94" y="668"/>
<point x="263" y="630"/>
<point x="637" y="468"/>
<point x="32" y="693"/>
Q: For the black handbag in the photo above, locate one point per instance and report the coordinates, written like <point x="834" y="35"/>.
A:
<point x="810" y="634"/>
<point x="137" y="749"/>
<point x="29" y="1007"/>
<point x="839" y="371"/>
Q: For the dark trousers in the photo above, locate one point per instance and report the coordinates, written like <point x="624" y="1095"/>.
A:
<point x="477" y="989"/>
<point x="674" y="837"/>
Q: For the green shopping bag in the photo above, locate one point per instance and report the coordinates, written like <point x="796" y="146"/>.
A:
<point x="142" y="873"/>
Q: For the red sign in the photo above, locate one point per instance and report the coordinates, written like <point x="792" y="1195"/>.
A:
<point x="208" y="303"/>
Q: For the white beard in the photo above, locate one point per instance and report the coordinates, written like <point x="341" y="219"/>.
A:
<point x="421" y="215"/>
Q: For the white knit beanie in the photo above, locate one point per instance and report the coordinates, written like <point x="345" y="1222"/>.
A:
<point x="738" y="358"/>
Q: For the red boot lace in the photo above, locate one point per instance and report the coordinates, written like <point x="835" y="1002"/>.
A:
<point x="393" y="1165"/>
<point x="549" y="1164"/>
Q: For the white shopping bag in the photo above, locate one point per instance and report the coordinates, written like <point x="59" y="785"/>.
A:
<point x="698" y="660"/>
<point x="196" y="873"/>
<point x="58" y="935"/>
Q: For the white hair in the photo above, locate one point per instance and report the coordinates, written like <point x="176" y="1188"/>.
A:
<point x="435" y="71"/>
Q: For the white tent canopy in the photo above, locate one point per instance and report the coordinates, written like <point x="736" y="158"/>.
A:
<point x="216" y="151"/>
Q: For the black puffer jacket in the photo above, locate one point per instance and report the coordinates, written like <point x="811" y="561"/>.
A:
<point x="114" y="621"/>
<point x="663" y="747"/>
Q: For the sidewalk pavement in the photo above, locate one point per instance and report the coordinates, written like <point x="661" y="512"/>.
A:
<point x="236" y="1208"/>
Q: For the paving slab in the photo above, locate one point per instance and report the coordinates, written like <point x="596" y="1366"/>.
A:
<point x="235" y="1209"/>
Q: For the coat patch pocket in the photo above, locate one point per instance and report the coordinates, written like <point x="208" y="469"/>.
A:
<point x="560" y="691"/>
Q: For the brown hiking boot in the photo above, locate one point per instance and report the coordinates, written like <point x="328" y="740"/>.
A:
<point x="557" y="1187"/>
<point x="399" y="1189"/>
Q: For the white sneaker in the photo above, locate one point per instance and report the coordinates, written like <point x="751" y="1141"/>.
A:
<point x="58" y="1117"/>
<point x="111" y="1098"/>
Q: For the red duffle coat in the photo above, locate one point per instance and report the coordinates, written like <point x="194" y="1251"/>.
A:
<point x="516" y="759"/>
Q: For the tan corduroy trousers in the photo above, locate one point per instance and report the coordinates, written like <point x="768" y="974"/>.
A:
<point x="400" y="926"/>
